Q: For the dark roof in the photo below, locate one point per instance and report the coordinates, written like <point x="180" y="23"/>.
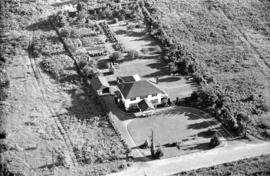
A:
<point x="138" y="89"/>
<point x="99" y="82"/>
<point x="145" y="105"/>
<point x="127" y="79"/>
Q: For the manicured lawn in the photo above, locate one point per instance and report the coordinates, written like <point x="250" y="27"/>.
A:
<point x="177" y="125"/>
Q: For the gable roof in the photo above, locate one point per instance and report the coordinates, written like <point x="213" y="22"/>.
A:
<point x="138" y="89"/>
<point x="99" y="82"/>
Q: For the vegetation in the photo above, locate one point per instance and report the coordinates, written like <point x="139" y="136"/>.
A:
<point x="16" y="17"/>
<point x="212" y="43"/>
<point x="253" y="166"/>
<point x="116" y="56"/>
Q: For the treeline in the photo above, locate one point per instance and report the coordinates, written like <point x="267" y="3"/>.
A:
<point x="233" y="110"/>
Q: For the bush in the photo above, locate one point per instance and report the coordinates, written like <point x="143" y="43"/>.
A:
<point x="65" y="32"/>
<point x="133" y="54"/>
<point x="90" y="71"/>
<point x="214" y="141"/>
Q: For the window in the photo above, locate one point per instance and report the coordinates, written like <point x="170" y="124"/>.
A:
<point x="155" y="101"/>
<point x="132" y="99"/>
<point x="143" y="97"/>
<point x="153" y="95"/>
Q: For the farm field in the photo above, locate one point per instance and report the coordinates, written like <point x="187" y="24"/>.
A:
<point x="186" y="125"/>
<point x="230" y="41"/>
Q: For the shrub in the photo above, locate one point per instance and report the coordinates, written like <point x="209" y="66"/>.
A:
<point x="133" y="54"/>
<point x="214" y="141"/>
<point x="90" y="71"/>
<point x="65" y="32"/>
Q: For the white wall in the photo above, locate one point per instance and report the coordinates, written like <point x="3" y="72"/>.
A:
<point x="128" y="102"/>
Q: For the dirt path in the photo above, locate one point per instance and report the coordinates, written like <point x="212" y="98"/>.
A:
<point x="42" y="87"/>
<point x="197" y="160"/>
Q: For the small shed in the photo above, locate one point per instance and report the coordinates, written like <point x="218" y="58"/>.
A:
<point x="101" y="85"/>
<point x="145" y="105"/>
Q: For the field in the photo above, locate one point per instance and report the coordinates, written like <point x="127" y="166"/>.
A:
<point x="230" y="41"/>
<point x="54" y="125"/>
<point x="185" y="125"/>
<point x="253" y="166"/>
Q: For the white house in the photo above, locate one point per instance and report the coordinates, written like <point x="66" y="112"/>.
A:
<point x="134" y="92"/>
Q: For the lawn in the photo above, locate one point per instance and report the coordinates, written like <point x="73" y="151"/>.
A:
<point x="177" y="125"/>
<point x="149" y="65"/>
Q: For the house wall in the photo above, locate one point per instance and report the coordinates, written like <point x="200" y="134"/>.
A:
<point x="128" y="102"/>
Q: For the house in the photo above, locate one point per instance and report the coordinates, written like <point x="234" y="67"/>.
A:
<point x="132" y="93"/>
<point x="101" y="85"/>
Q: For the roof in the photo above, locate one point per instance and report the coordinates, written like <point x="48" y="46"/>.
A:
<point x="99" y="82"/>
<point x="138" y="89"/>
<point x="129" y="79"/>
<point x="145" y="105"/>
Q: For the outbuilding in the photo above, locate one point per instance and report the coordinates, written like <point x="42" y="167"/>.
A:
<point x="101" y="85"/>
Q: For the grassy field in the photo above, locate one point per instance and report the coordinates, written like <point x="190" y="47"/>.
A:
<point x="230" y="41"/>
<point x="253" y="166"/>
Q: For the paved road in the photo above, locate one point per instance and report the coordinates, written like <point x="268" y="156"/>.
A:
<point x="209" y="158"/>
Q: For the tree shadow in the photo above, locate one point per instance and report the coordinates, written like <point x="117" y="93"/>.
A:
<point x="70" y="79"/>
<point x="207" y="133"/>
<point x="201" y="146"/>
<point x="83" y="105"/>
<point x="170" y="79"/>
<point x="41" y="25"/>
<point x="201" y="125"/>
<point x="58" y="4"/>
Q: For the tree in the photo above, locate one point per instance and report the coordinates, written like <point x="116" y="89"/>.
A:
<point x="90" y="71"/>
<point x="172" y="67"/>
<point x="116" y="56"/>
<point x="74" y="33"/>
<point x="81" y="6"/>
<point x="214" y="141"/>
<point x="243" y="120"/>
<point x="65" y="32"/>
<point x="133" y="54"/>
<point x="159" y="153"/>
